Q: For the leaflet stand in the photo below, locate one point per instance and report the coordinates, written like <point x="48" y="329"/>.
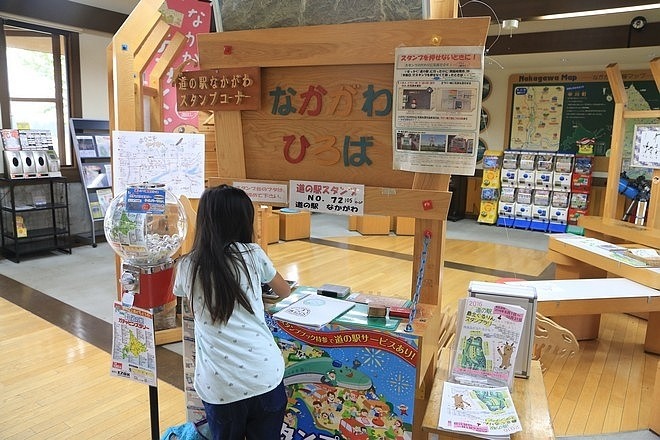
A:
<point x="523" y="296"/>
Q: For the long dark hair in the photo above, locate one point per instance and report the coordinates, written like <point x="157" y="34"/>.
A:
<point x="225" y="217"/>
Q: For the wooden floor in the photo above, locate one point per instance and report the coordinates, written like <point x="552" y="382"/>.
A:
<point x="54" y="385"/>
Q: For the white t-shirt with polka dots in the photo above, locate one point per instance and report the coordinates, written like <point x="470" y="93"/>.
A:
<point x="239" y="359"/>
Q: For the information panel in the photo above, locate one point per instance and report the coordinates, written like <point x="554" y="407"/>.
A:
<point x="556" y="111"/>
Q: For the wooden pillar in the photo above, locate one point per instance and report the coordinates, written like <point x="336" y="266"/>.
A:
<point x="616" y="148"/>
<point x="653" y="216"/>
<point x="431" y="284"/>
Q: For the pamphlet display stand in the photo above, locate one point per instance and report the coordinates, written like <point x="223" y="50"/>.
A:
<point x="490" y="187"/>
<point x="509" y="178"/>
<point x="91" y="143"/>
<point x="580" y="189"/>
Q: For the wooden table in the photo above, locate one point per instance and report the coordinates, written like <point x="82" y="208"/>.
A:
<point x="582" y="297"/>
<point x="528" y="396"/>
<point x="574" y="261"/>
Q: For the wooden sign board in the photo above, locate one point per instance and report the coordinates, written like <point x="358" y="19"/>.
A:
<point x="219" y="89"/>
<point x="326" y="90"/>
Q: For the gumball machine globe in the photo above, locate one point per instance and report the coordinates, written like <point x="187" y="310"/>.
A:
<point x="141" y="235"/>
<point x="145" y="226"/>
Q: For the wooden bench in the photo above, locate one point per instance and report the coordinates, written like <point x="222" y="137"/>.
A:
<point x="578" y="297"/>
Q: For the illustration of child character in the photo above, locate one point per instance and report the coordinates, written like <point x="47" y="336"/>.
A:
<point x="290" y="418"/>
<point x="364" y="417"/>
<point x="330" y="378"/>
<point x="317" y="408"/>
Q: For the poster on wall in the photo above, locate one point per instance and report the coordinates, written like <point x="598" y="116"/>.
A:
<point x="557" y="112"/>
<point x="646" y="146"/>
<point x="436" y="108"/>
<point x="173" y="159"/>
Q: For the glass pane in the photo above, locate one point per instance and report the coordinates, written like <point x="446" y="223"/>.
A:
<point x="30" y="67"/>
<point x="39" y="116"/>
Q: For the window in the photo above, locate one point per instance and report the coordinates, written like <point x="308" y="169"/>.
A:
<point x="38" y="90"/>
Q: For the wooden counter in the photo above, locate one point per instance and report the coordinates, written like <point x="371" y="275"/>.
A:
<point x="573" y="261"/>
<point x="528" y="396"/>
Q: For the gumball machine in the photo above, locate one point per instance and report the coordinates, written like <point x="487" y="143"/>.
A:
<point x="145" y="225"/>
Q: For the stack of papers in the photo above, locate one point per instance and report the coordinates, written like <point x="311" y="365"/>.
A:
<point x="484" y="412"/>
<point x="476" y="400"/>
<point x="313" y="310"/>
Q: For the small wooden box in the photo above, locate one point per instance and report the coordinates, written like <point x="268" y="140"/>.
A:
<point x="404" y="226"/>
<point x="352" y="222"/>
<point x="373" y="224"/>
<point x="272" y="227"/>
<point x="294" y="225"/>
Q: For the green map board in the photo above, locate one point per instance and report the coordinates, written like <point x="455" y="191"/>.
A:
<point x="552" y="111"/>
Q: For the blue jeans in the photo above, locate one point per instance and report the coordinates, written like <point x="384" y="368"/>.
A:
<point x="254" y="418"/>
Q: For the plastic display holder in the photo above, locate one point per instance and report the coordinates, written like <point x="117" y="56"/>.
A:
<point x="523" y="296"/>
<point x="522" y="223"/>
<point x="507" y="222"/>
<point x="557" y="227"/>
<point x="539" y="225"/>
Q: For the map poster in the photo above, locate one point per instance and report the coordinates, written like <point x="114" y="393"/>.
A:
<point x="437" y="108"/>
<point x="554" y="112"/>
<point x="133" y="345"/>
<point x="174" y="159"/>
<point x="344" y="382"/>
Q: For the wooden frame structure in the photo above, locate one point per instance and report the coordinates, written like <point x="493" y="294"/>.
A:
<point x="369" y="46"/>
<point x="364" y="45"/>
<point x="608" y="225"/>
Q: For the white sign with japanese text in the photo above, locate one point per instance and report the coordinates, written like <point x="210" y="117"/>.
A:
<point x="437" y="108"/>
<point x="327" y="197"/>
<point x="259" y="192"/>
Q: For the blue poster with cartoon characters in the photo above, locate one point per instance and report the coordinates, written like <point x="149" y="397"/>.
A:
<point x="345" y="382"/>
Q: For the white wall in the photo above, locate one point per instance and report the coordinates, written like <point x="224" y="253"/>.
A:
<point x="94" y="76"/>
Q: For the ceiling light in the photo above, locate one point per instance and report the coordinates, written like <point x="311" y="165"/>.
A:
<point x="510" y="25"/>
<point x="599" y="12"/>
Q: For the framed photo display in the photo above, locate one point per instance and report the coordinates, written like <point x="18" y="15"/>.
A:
<point x="646" y="146"/>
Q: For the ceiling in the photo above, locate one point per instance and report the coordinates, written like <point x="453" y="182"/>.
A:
<point x="586" y="41"/>
<point x="123" y="6"/>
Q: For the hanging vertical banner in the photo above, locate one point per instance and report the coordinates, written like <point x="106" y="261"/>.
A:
<point x="437" y="108"/>
<point x="188" y="18"/>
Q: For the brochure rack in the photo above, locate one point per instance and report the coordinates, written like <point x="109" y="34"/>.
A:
<point x="90" y="139"/>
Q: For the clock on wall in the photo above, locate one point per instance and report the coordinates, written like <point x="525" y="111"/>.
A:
<point x="646" y="146"/>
